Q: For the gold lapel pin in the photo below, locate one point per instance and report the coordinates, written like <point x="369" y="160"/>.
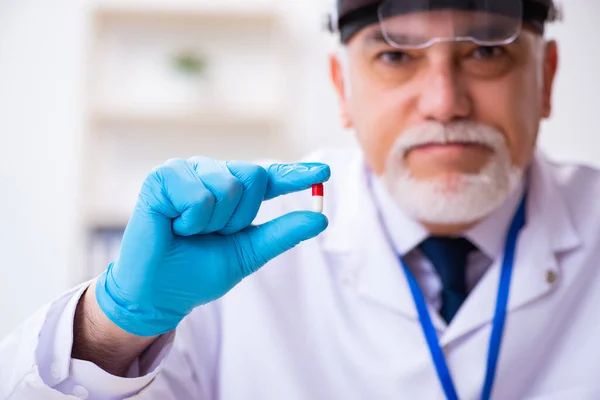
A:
<point x="551" y="277"/>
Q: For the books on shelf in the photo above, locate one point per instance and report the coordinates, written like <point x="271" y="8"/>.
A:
<point x="103" y="249"/>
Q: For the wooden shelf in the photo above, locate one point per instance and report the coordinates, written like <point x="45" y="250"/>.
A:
<point x="131" y="98"/>
<point x="105" y="220"/>
<point x="206" y="118"/>
<point x="247" y="10"/>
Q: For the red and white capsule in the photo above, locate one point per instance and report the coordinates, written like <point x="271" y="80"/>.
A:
<point x="317" y="195"/>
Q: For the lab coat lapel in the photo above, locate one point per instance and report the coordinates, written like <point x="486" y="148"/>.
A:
<point x="549" y="231"/>
<point x="356" y="234"/>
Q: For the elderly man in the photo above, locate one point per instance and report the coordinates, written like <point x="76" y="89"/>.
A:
<point x="457" y="262"/>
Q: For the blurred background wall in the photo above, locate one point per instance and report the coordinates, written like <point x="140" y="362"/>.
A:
<point x="94" y="94"/>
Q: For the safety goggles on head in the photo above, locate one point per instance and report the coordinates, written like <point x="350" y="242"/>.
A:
<point x="421" y="23"/>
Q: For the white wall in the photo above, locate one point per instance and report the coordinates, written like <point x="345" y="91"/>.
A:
<point x="42" y="50"/>
<point x="573" y="132"/>
<point x="41" y="45"/>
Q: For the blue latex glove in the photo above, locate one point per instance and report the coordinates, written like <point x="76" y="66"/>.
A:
<point x="190" y="238"/>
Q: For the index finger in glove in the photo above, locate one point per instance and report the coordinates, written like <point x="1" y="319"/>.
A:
<point x="255" y="179"/>
<point x="262" y="184"/>
<point x="289" y="178"/>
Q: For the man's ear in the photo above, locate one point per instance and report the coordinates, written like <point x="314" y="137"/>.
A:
<point x="550" y="69"/>
<point x="338" y="77"/>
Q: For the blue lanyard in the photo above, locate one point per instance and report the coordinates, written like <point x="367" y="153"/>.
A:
<point x="499" y="317"/>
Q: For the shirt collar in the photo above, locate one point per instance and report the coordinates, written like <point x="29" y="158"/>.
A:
<point x="406" y="234"/>
<point x="489" y="235"/>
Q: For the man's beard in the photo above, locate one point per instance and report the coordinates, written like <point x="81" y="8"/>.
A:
<point x="461" y="199"/>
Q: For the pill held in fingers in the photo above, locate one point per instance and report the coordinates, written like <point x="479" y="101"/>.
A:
<point x="317" y="195"/>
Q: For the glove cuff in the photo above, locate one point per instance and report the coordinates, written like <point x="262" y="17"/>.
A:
<point x="136" y="319"/>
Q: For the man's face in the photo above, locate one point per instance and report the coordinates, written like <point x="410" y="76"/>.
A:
<point x="486" y="101"/>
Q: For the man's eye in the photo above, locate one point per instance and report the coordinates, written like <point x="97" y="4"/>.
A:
<point x="488" y="52"/>
<point x="394" y="57"/>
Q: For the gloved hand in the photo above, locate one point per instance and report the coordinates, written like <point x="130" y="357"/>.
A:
<point x="190" y="238"/>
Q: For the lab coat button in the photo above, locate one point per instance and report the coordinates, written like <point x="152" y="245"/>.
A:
<point x="80" y="392"/>
<point x="551" y="277"/>
<point x="55" y="371"/>
<point x="34" y="380"/>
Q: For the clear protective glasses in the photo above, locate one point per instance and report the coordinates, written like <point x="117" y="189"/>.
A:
<point x="416" y="24"/>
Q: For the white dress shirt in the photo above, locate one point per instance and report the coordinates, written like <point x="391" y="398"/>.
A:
<point x="488" y="237"/>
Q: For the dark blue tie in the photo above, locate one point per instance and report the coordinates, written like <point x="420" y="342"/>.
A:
<point x="449" y="257"/>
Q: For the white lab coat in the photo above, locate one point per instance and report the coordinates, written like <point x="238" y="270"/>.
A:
<point x="334" y="318"/>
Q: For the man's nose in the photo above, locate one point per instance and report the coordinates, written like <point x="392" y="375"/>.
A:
<point x="443" y="97"/>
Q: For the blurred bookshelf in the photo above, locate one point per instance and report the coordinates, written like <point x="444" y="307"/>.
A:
<point x="246" y="11"/>
<point x="103" y="248"/>
<point x="205" y="118"/>
<point x="175" y="79"/>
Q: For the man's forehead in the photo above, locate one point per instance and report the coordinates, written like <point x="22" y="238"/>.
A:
<point x="431" y="24"/>
<point x="353" y="16"/>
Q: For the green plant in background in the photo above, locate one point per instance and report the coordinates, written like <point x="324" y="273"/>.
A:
<point x="190" y="63"/>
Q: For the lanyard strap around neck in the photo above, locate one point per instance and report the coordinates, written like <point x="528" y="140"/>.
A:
<point x="435" y="349"/>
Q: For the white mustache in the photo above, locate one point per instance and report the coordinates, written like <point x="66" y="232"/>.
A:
<point x="463" y="132"/>
<point x="473" y="195"/>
